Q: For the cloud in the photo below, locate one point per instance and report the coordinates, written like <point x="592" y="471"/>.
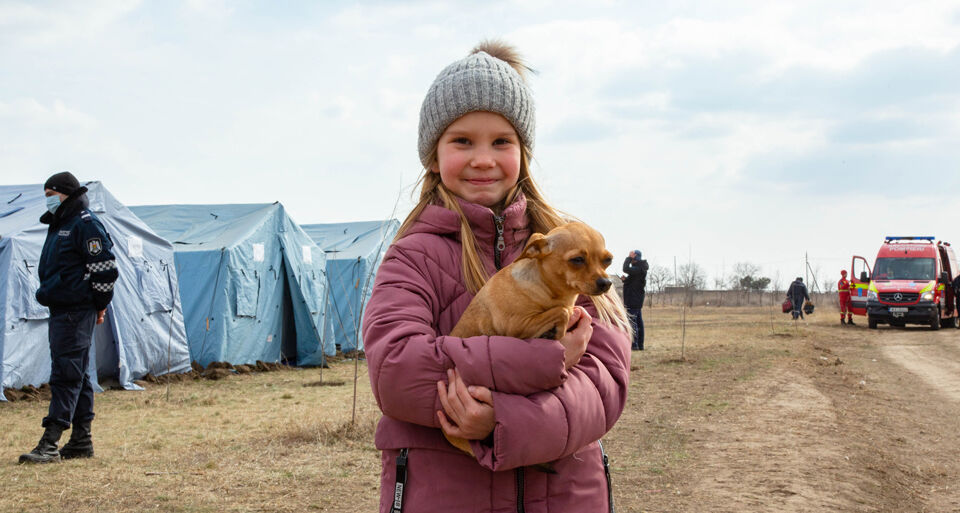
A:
<point x="668" y="125"/>
<point x="29" y="24"/>
<point x="31" y="113"/>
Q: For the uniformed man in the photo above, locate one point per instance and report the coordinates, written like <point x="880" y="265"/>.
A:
<point x="77" y="272"/>
<point x="846" y="304"/>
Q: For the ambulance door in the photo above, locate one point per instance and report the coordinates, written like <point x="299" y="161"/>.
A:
<point x="859" y="269"/>
<point x="948" y="264"/>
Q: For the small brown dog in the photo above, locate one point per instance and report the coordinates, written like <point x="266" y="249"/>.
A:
<point x="535" y="295"/>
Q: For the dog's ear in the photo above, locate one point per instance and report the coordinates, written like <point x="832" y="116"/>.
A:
<point x="537" y="246"/>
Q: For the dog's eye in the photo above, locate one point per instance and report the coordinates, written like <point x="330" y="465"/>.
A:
<point x="607" y="261"/>
<point x="578" y="261"/>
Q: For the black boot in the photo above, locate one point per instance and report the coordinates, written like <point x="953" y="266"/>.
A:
<point x="46" y="450"/>
<point x="850" y="321"/>
<point x="80" y="444"/>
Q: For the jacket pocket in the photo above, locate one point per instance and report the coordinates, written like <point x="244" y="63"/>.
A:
<point x="69" y="368"/>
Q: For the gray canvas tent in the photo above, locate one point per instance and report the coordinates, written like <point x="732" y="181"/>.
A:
<point x="251" y="281"/>
<point x="354" y="251"/>
<point x="144" y="330"/>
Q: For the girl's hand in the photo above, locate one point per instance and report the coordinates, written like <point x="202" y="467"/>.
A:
<point x="469" y="409"/>
<point x="575" y="342"/>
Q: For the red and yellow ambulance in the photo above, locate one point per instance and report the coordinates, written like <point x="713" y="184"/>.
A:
<point x="909" y="284"/>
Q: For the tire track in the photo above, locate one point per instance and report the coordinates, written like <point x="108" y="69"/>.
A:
<point x="931" y="363"/>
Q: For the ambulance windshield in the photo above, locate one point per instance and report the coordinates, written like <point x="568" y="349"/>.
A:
<point x="904" y="269"/>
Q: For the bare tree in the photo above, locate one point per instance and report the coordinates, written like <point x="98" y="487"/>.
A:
<point x="658" y="277"/>
<point x="777" y="283"/>
<point x="742" y="270"/>
<point x="743" y="278"/>
<point x="692" y="278"/>
<point x="720" y="283"/>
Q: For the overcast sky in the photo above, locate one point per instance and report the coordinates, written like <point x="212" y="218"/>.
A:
<point x="751" y="131"/>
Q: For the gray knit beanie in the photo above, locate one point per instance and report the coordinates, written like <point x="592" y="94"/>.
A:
<point x="478" y="82"/>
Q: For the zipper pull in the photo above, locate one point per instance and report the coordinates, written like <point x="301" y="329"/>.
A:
<point x="498" y="221"/>
<point x="500" y="244"/>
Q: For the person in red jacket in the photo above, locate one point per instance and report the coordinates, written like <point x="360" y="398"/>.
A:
<point x="843" y="290"/>
<point x="519" y="402"/>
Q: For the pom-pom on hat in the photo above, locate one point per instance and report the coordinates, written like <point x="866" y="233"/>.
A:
<point x="485" y="80"/>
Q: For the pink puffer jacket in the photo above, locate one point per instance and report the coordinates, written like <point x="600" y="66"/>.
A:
<point x="543" y="412"/>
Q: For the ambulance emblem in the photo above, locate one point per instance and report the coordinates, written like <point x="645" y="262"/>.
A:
<point x="94" y="246"/>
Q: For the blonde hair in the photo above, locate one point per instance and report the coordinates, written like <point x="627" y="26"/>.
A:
<point x="543" y="217"/>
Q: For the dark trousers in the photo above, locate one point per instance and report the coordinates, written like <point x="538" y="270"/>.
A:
<point x="797" y="307"/>
<point x="71" y="391"/>
<point x="636" y="317"/>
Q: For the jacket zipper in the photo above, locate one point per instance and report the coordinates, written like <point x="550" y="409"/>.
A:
<point x="520" y="490"/>
<point x="499" y="246"/>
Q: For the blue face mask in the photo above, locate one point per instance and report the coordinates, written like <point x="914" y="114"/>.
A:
<point x="53" y="203"/>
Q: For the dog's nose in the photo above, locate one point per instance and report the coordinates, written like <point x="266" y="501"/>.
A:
<point x="603" y="284"/>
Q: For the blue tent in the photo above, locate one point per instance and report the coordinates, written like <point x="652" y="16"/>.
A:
<point x="143" y="332"/>
<point x="252" y="282"/>
<point x="354" y="251"/>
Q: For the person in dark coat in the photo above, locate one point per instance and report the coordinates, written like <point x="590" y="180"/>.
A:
<point x="797" y="294"/>
<point x="956" y="294"/>
<point x="77" y="272"/>
<point x="634" y="292"/>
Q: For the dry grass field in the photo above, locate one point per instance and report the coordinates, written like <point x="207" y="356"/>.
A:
<point x="755" y="414"/>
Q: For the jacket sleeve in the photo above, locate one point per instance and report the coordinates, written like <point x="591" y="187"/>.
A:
<point x="406" y="356"/>
<point x="552" y="424"/>
<point x="631" y="266"/>
<point x="100" y="264"/>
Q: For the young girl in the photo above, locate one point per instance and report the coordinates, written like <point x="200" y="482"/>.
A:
<point x="519" y="402"/>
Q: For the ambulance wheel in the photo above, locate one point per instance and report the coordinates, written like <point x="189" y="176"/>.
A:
<point x="935" y="322"/>
<point x="871" y="323"/>
<point x="955" y="321"/>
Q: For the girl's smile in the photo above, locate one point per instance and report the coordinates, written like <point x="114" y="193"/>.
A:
<point x="478" y="158"/>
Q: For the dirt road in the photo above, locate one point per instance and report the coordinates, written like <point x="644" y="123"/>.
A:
<point x="821" y="418"/>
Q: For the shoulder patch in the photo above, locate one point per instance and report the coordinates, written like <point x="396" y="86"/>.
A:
<point x="85" y="215"/>
<point x="94" y="246"/>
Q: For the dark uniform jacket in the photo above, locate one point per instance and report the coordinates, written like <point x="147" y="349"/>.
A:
<point x="77" y="270"/>
<point x="635" y="286"/>
<point x="797" y="293"/>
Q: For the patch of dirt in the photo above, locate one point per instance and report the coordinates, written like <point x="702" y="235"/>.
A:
<point x="932" y="364"/>
<point x="780" y="450"/>
<point x="213" y="371"/>
<point x="28" y="393"/>
<point x="328" y="383"/>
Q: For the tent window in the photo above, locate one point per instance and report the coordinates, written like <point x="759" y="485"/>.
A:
<point x="313" y="292"/>
<point x="24" y="304"/>
<point x="155" y="290"/>
<point x="247" y="283"/>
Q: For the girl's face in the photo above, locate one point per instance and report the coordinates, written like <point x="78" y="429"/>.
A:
<point x="478" y="158"/>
